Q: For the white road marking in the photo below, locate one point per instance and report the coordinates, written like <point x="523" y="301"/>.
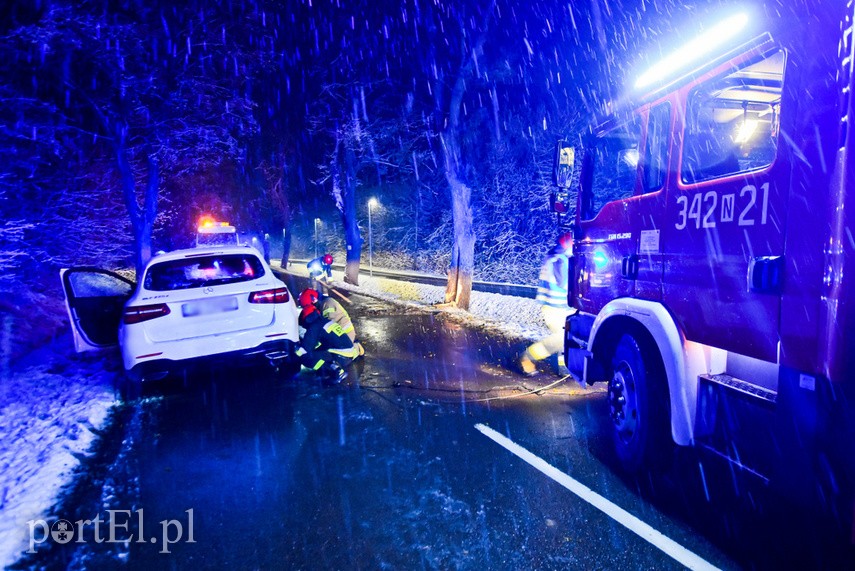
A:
<point x="623" y="517"/>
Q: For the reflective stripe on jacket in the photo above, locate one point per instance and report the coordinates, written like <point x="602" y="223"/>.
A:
<point x="552" y="283"/>
<point x="324" y="335"/>
<point x="332" y="310"/>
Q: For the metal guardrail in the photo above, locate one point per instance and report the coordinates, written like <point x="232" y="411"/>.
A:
<point x="518" y="290"/>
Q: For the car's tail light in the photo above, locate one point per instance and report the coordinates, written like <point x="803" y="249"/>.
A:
<point x="278" y="295"/>
<point x="140" y="313"/>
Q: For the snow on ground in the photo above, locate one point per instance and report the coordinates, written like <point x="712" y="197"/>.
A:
<point x="513" y="316"/>
<point x="52" y="406"/>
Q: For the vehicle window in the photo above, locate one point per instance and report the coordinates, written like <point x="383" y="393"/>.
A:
<point x="732" y="124"/>
<point x="91" y="284"/>
<point x="614" y="163"/>
<point x="655" y="164"/>
<point x="216" y="239"/>
<point x="217" y="269"/>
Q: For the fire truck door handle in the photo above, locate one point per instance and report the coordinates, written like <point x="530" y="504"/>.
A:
<point x="629" y="267"/>
<point x="766" y="274"/>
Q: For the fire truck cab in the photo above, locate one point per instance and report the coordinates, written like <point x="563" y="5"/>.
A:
<point x="712" y="232"/>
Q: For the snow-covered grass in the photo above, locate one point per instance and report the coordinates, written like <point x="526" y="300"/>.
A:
<point x="53" y="404"/>
<point x="516" y="317"/>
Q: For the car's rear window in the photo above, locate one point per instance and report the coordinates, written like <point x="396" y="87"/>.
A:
<point x="201" y="271"/>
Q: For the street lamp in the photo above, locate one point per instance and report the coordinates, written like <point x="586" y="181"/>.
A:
<point x="372" y="202"/>
<point x="317" y="222"/>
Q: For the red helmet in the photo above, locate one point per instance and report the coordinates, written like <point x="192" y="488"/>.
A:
<point x="328" y="259"/>
<point x="309" y="297"/>
<point x="565" y="241"/>
<point x="306" y="312"/>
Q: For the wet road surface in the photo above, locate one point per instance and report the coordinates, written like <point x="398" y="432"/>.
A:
<point x="388" y="471"/>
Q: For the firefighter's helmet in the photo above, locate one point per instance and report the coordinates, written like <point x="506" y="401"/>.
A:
<point x="565" y="241"/>
<point x="306" y="315"/>
<point x="309" y="297"/>
<point x="328" y="259"/>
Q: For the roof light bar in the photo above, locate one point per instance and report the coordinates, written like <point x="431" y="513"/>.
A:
<point x="694" y="51"/>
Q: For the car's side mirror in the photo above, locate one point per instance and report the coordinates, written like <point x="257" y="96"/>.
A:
<point x="565" y="160"/>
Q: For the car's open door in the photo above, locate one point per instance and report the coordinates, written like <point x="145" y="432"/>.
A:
<point x="94" y="299"/>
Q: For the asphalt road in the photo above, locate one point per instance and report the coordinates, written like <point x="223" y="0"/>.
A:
<point x="391" y="471"/>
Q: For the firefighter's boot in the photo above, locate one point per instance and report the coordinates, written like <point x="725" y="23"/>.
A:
<point x="527" y="365"/>
<point x="333" y="374"/>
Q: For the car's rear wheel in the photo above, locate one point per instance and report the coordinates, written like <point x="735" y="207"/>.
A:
<point x="638" y="404"/>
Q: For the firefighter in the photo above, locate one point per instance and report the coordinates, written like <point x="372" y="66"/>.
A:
<point x="324" y="347"/>
<point x="315" y="267"/>
<point x="552" y="295"/>
<point x="327" y="265"/>
<point x="320" y="268"/>
<point x="332" y="310"/>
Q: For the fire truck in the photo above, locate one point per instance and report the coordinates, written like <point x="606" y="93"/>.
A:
<point x="713" y="276"/>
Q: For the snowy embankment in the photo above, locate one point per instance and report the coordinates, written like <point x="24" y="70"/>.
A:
<point x="53" y="404"/>
<point x="509" y="315"/>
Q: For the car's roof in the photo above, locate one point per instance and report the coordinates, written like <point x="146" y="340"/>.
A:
<point x="203" y="251"/>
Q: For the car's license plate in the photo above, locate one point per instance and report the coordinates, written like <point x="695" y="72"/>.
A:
<point x="209" y="306"/>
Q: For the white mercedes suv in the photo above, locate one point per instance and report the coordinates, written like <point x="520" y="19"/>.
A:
<point x="201" y="303"/>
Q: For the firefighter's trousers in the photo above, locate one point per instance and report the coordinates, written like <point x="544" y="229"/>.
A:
<point x="318" y="358"/>
<point x="554" y="342"/>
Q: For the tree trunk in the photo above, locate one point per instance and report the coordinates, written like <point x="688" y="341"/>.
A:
<point x="453" y="270"/>
<point x="351" y="271"/>
<point x="142" y="218"/>
<point x="458" y="290"/>
<point x="149" y="211"/>
<point x="286" y="245"/>
<point x="352" y="237"/>
<point x="282" y="204"/>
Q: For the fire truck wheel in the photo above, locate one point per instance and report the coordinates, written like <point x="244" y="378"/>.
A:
<point x="638" y="404"/>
